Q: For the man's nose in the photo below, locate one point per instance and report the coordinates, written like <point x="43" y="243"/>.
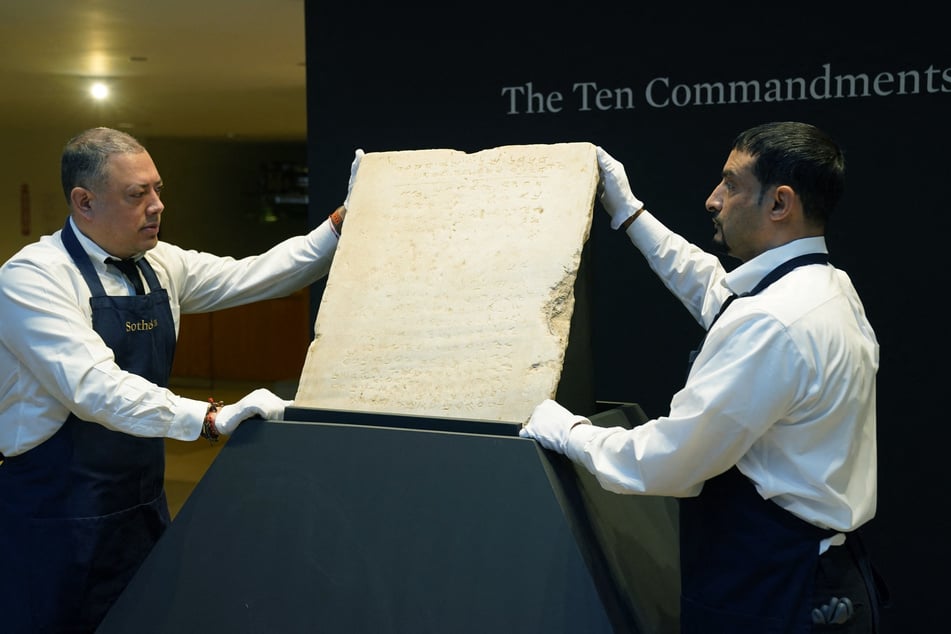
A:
<point x="156" y="205"/>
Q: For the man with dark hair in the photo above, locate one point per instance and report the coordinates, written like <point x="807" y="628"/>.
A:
<point x="771" y="443"/>
<point x="89" y="317"/>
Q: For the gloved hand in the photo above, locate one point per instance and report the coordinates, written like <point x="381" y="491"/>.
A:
<point x="261" y="402"/>
<point x="836" y="611"/>
<point x="616" y="195"/>
<point x="550" y="424"/>
<point x="353" y="175"/>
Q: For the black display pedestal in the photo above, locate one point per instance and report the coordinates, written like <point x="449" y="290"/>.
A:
<point x="358" y="523"/>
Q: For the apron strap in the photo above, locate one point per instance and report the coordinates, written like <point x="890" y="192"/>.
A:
<point x="82" y="260"/>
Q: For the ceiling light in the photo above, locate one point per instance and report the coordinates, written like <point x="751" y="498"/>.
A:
<point x="99" y="91"/>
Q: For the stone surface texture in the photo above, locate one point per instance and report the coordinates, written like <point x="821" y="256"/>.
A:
<point x="452" y="289"/>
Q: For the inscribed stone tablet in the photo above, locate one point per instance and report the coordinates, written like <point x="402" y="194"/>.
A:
<point x="452" y="289"/>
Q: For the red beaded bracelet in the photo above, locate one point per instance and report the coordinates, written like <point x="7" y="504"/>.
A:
<point x="208" y="429"/>
<point x="336" y="222"/>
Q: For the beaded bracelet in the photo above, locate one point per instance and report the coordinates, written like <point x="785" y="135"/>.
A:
<point x="208" y="429"/>
<point x="336" y="221"/>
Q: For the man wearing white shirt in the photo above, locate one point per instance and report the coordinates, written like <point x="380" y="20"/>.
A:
<point x="771" y="443"/>
<point x="84" y="403"/>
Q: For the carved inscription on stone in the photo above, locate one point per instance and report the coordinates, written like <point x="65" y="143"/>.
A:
<point x="451" y="292"/>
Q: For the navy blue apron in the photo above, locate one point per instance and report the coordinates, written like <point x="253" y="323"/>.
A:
<point x="749" y="566"/>
<point x="81" y="511"/>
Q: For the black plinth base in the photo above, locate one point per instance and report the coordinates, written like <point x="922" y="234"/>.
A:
<point x="349" y="528"/>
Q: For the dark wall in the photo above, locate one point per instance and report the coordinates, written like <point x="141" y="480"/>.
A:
<point x="234" y="198"/>
<point x="397" y="79"/>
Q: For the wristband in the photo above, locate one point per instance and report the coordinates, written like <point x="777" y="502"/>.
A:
<point x="630" y="219"/>
<point x="208" y="429"/>
<point x="336" y="222"/>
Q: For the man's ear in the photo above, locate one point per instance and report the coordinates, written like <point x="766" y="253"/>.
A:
<point x="80" y="199"/>
<point x="784" y="198"/>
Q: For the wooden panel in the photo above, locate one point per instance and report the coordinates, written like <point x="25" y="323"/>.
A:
<point x="193" y="350"/>
<point x="263" y="341"/>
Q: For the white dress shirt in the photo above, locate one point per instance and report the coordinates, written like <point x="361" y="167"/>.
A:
<point x="52" y="362"/>
<point x="783" y="387"/>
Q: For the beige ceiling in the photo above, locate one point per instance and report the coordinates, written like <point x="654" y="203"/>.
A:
<point x="190" y="68"/>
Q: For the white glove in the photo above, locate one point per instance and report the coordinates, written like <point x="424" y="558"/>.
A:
<point x="550" y="424"/>
<point x="260" y="402"/>
<point x="616" y="195"/>
<point x="353" y="175"/>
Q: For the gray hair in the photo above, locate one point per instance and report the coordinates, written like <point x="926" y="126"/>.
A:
<point x="83" y="163"/>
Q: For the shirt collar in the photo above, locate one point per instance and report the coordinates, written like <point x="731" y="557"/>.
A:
<point x="745" y="277"/>
<point x="96" y="253"/>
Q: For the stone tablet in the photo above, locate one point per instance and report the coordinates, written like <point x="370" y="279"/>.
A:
<point x="452" y="289"/>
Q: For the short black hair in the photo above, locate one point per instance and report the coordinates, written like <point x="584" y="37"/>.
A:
<point x="799" y="155"/>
